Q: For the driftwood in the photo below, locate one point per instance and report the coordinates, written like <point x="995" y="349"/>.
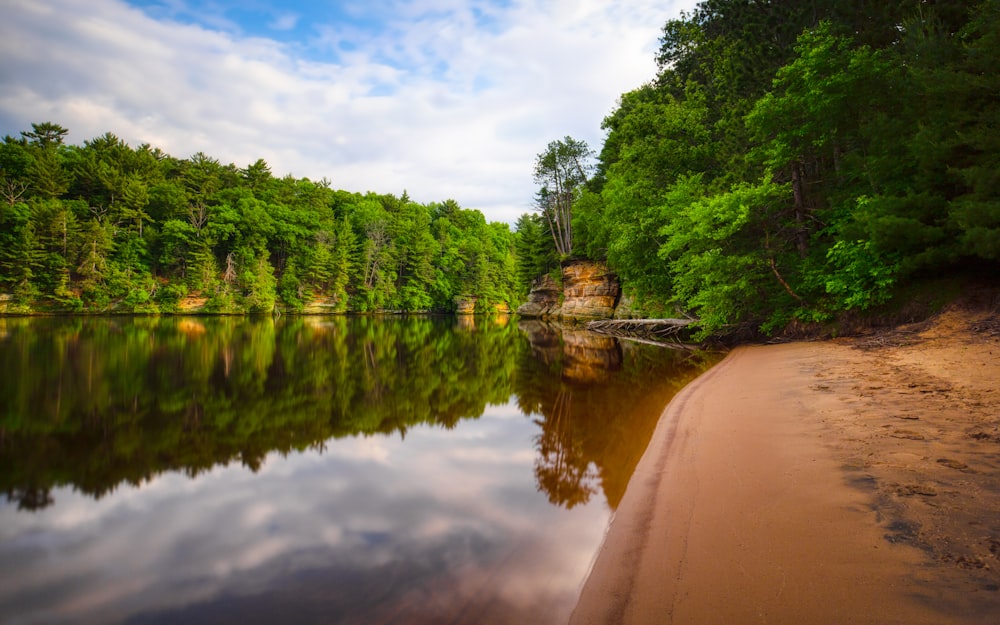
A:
<point x="644" y="330"/>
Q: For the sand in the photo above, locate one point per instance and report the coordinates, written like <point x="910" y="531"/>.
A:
<point x="846" y="481"/>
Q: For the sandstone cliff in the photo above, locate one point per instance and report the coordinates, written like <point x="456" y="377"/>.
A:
<point x="543" y="300"/>
<point x="590" y="291"/>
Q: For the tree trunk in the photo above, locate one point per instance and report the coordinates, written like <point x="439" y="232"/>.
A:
<point x="798" y="192"/>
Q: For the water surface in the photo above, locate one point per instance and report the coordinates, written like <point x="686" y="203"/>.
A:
<point x="313" y="469"/>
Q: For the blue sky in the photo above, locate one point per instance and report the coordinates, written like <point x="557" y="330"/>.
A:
<point x="441" y="98"/>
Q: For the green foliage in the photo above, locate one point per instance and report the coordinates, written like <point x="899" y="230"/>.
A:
<point x="713" y="246"/>
<point x="821" y="100"/>
<point x="107" y="227"/>
<point x="536" y="250"/>
<point x="589" y="226"/>
<point x="796" y="160"/>
<point x="858" y="276"/>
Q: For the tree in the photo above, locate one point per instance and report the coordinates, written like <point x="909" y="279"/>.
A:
<point x="655" y="140"/>
<point x="46" y="173"/>
<point x="534" y="250"/>
<point x="562" y="171"/>
<point x="14" y="162"/>
<point x="957" y="149"/>
<point x="257" y="175"/>
<point x="46" y="135"/>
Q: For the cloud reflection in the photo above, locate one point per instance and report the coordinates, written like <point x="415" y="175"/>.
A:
<point x="446" y="525"/>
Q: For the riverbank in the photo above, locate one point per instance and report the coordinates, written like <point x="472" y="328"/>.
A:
<point x="846" y="481"/>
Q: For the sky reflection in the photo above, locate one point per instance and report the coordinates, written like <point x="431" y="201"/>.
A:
<point x="442" y="525"/>
<point x="351" y="470"/>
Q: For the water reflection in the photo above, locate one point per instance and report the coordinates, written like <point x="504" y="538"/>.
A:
<point x="94" y="403"/>
<point x="311" y="469"/>
<point x="594" y="397"/>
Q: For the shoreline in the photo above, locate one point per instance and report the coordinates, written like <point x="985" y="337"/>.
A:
<point x="829" y="482"/>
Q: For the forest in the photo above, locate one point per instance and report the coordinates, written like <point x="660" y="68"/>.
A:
<point x="791" y="162"/>
<point x="104" y="227"/>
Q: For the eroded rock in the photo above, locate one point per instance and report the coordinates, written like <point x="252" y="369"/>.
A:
<point x="590" y="291"/>
<point x="543" y="300"/>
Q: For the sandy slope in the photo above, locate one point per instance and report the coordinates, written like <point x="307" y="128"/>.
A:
<point x="828" y="482"/>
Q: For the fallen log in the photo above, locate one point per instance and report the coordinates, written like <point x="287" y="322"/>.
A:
<point x="657" y="330"/>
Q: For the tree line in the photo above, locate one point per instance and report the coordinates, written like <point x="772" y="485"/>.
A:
<point x="103" y="226"/>
<point x="789" y="162"/>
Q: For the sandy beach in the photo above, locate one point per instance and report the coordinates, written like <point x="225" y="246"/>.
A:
<point x="845" y="481"/>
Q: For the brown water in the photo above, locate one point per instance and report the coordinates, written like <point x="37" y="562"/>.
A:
<point x="313" y="470"/>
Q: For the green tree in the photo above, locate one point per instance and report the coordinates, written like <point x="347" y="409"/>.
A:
<point x="561" y="171"/>
<point x="956" y="148"/>
<point x="46" y="135"/>
<point x="411" y="234"/>
<point x="48" y="178"/>
<point x="15" y="160"/>
<point x="654" y="140"/>
<point x="535" y="250"/>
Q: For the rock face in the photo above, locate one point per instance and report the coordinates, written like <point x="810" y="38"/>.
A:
<point x="543" y="300"/>
<point x="626" y="309"/>
<point x="465" y="305"/>
<point x="590" y="291"/>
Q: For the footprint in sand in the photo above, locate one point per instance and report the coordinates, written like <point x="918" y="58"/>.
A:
<point x="955" y="464"/>
<point x="908" y="490"/>
<point x="909" y="435"/>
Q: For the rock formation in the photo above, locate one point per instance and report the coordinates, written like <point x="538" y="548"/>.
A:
<point x="590" y="291"/>
<point x="543" y="300"/>
<point x="465" y="305"/>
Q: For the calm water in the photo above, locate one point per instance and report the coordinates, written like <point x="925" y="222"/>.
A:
<point x="313" y="470"/>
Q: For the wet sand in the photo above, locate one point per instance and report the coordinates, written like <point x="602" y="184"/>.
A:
<point x="849" y="481"/>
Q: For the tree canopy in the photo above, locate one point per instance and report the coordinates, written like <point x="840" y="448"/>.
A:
<point x="104" y="226"/>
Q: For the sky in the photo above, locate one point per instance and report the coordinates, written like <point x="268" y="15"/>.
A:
<point x="443" y="99"/>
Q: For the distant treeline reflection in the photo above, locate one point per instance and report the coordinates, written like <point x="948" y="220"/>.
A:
<point x="96" y="402"/>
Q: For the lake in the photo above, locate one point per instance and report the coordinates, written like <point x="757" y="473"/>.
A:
<point x="314" y="469"/>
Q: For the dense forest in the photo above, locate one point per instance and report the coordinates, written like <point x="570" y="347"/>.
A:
<point x="106" y="227"/>
<point x="791" y="161"/>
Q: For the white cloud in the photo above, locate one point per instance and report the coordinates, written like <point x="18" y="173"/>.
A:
<point x="285" y="21"/>
<point x="449" y="101"/>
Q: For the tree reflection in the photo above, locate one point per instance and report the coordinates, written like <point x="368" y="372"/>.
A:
<point x="562" y="469"/>
<point x="97" y="402"/>
<point x="93" y="403"/>
<point x="597" y="401"/>
<point x="30" y="498"/>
